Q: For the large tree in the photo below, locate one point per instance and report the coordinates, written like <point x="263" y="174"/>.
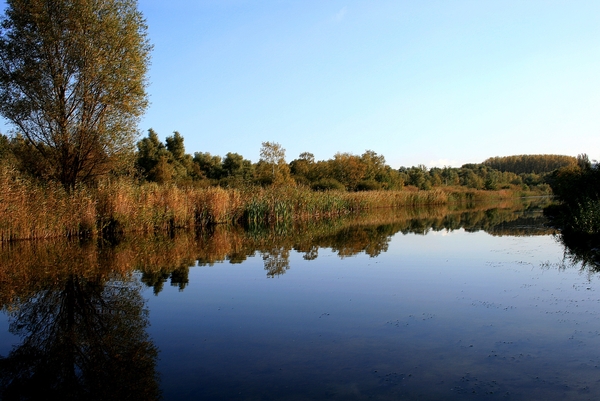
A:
<point x="73" y="81"/>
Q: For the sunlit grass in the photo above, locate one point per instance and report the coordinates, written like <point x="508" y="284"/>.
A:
<point x="30" y="210"/>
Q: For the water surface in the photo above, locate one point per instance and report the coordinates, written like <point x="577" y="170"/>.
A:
<point x="407" y="304"/>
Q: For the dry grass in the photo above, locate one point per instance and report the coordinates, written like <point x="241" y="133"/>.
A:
<point x="30" y="210"/>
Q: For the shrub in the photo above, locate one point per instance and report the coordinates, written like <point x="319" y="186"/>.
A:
<point x="327" y="184"/>
<point x="368" y="185"/>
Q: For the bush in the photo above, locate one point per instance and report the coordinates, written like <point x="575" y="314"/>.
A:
<point x="579" y="191"/>
<point x="586" y="217"/>
<point x="368" y="185"/>
<point x="327" y="184"/>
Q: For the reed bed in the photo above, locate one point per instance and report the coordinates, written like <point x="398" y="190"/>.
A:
<point x="31" y="210"/>
<point x="28" y="266"/>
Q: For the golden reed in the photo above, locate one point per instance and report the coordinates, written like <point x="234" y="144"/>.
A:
<point x="31" y="210"/>
<point x="29" y="266"/>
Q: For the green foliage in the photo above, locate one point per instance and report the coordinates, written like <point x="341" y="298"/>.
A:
<point x="537" y="164"/>
<point x="470" y="179"/>
<point x="24" y="156"/>
<point x="348" y="169"/>
<point x="368" y="185"/>
<point x="586" y="216"/>
<point x="72" y="83"/>
<point x="235" y="169"/>
<point x="450" y="176"/>
<point x="165" y="164"/>
<point x="577" y="186"/>
<point x="418" y="177"/>
<point x="344" y="171"/>
<point x="210" y="166"/>
<point x="175" y="146"/>
<point x="327" y="184"/>
<point x="572" y="184"/>
<point x="5" y="150"/>
<point x="233" y="165"/>
<point x="303" y="169"/>
<point x="272" y="168"/>
<point x="150" y="150"/>
<point x="375" y="167"/>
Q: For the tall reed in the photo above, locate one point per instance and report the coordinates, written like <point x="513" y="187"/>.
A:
<point x="30" y="265"/>
<point x="31" y="210"/>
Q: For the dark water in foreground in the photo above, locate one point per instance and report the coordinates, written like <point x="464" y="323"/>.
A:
<point x="417" y="305"/>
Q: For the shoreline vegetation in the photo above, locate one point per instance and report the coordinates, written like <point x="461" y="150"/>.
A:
<point x="577" y="215"/>
<point x="161" y="257"/>
<point x="30" y="210"/>
<point x="162" y="188"/>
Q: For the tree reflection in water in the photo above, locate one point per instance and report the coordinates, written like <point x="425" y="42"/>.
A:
<point x="277" y="261"/>
<point x="83" y="329"/>
<point x="582" y="250"/>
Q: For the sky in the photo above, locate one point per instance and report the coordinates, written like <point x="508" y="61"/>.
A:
<point x="439" y="83"/>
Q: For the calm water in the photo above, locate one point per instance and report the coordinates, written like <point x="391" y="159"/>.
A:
<point x="424" y="304"/>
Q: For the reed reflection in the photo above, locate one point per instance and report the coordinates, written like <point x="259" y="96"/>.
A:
<point x="370" y="233"/>
<point x="82" y="323"/>
<point x="162" y="259"/>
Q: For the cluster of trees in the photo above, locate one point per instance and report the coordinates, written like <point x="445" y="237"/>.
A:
<point x="476" y="176"/>
<point x="523" y="164"/>
<point x="578" y="188"/>
<point x="346" y="171"/>
<point x="168" y="162"/>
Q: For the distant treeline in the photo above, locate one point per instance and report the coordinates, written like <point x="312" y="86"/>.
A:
<point x="527" y="164"/>
<point x="155" y="161"/>
<point x="168" y="162"/>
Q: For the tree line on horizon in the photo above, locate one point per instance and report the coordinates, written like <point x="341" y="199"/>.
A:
<point x="168" y="162"/>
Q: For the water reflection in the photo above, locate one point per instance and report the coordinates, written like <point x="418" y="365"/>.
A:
<point x="82" y="323"/>
<point x="581" y="250"/>
<point x="368" y="233"/>
<point x="168" y="259"/>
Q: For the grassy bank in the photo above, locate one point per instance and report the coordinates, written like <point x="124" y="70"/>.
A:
<point x="30" y="210"/>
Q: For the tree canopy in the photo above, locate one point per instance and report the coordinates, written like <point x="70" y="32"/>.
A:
<point x="344" y="171"/>
<point x="537" y="164"/>
<point x="73" y="82"/>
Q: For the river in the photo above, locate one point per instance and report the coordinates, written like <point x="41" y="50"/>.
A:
<point x="483" y="303"/>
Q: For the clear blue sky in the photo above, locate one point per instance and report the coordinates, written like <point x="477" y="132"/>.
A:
<point x="420" y="82"/>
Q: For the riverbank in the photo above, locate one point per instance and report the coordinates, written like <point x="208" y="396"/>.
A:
<point x="577" y="188"/>
<point x="29" y="210"/>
